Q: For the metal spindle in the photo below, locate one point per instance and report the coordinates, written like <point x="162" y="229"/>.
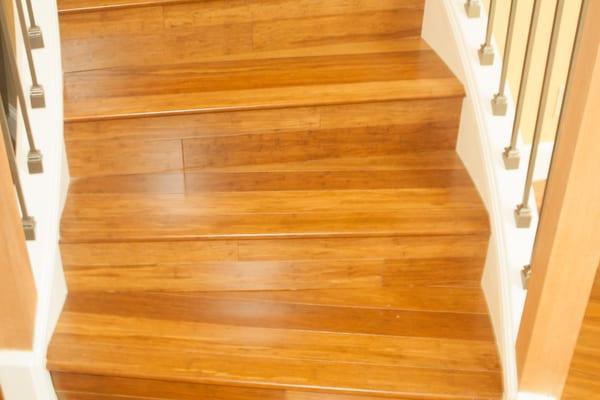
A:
<point x="473" y="8"/>
<point x="523" y="211"/>
<point x="500" y="102"/>
<point x="27" y="220"/>
<point x="511" y="154"/>
<point x="36" y="92"/>
<point x="486" y="52"/>
<point x="34" y="32"/>
<point x="34" y="157"/>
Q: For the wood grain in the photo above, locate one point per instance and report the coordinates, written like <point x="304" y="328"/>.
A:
<point x="394" y="135"/>
<point x="192" y="31"/>
<point x="17" y="288"/>
<point x="568" y="232"/>
<point x="584" y="374"/>
<point x="79" y="387"/>
<point x="220" y="339"/>
<point x="329" y="376"/>
<point x="282" y="275"/>
<point x="266" y="204"/>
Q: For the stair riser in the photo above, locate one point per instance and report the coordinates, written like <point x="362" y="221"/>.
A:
<point x="255" y="265"/>
<point x="221" y="30"/>
<point x="316" y="138"/>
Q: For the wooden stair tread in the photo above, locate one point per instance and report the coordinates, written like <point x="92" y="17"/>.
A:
<point x="256" y="84"/>
<point x="230" y="205"/>
<point x="266" y="204"/>
<point x="217" y="342"/>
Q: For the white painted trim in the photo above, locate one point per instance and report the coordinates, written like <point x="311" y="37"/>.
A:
<point x="23" y="375"/>
<point x="482" y="139"/>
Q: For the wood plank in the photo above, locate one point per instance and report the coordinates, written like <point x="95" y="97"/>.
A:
<point x="440" y="299"/>
<point x="205" y="309"/>
<point x="217" y="339"/>
<point x="17" y="288"/>
<point x="274" y="372"/>
<point x="182" y="252"/>
<point x="126" y="227"/>
<point x="123" y="157"/>
<point x="74" y="386"/>
<point x="173" y="182"/>
<point x="313" y="146"/>
<point x="447" y="188"/>
<point x="285" y="275"/>
<point x="568" y="232"/>
<point x="76" y="6"/>
<point x="225" y="276"/>
<point x="78" y="386"/>
<point x="284" y="33"/>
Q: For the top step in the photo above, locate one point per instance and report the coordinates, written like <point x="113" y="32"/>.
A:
<point x="126" y="59"/>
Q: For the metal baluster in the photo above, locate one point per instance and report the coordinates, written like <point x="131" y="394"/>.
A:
<point x="511" y="154"/>
<point x="34" y="32"/>
<point x="523" y="211"/>
<point x="36" y="92"/>
<point x="34" y="157"/>
<point x="473" y="8"/>
<point x="486" y="52"/>
<point x="27" y="220"/>
<point x="500" y="102"/>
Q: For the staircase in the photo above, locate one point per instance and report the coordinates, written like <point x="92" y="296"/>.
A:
<point x="266" y="204"/>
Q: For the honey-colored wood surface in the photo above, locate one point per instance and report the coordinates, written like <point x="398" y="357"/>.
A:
<point x="567" y="250"/>
<point x="240" y="205"/>
<point x="583" y="381"/>
<point x="17" y="288"/>
<point x="394" y="135"/>
<point x="540" y="190"/>
<point x="256" y="84"/>
<point x="187" y="32"/>
<point x="266" y="204"/>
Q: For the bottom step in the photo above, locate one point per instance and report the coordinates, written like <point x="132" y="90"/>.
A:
<point x="427" y="343"/>
<point x="91" y="387"/>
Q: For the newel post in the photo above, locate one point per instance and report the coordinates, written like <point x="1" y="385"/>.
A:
<point x="567" y="250"/>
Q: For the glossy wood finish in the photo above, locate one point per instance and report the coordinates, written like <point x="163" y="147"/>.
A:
<point x="391" y="135"/>
<point x="244" y="85"/>
<point x="565" y="257"/>
<point x="235" y="207"/>
<point x="17" y="288"/>
<point x="183" y="32"/>
<point x="267" y="204"/>
<point x="540" y="190"/>
<point x="583" y="381"/>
